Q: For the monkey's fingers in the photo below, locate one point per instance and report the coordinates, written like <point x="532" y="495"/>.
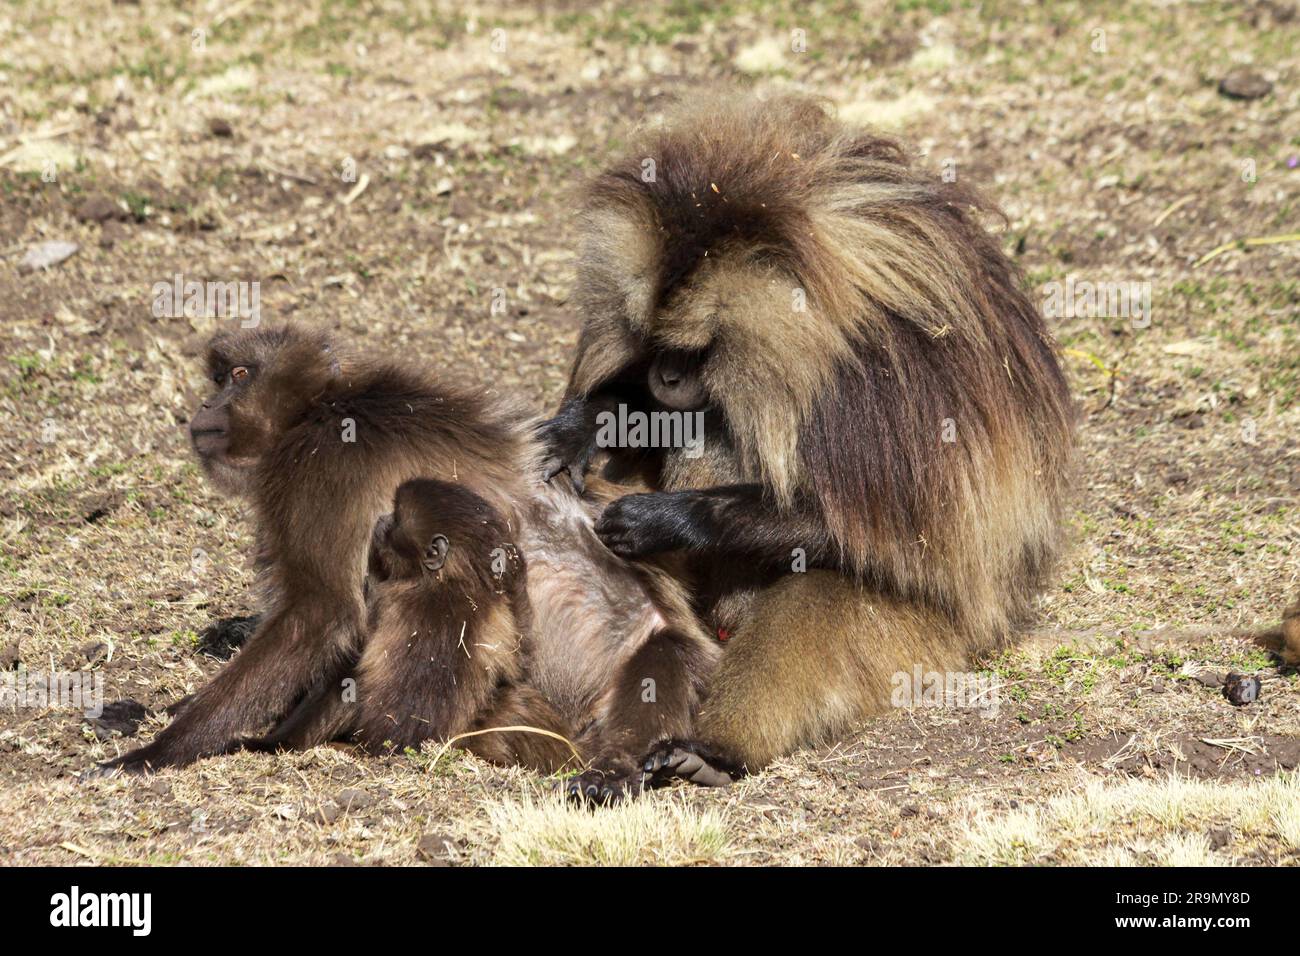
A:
<point x="669" y="762"/>
<point x="576" y="470"/>
<point x="634" y="527"/>
<point x="569" y="446"/>
<point x="127" y="763"/>
<point x="578" y="475"/>
<point x="101" y="771"/>
<point x="552" y="465"/>
<point x="603" y="788"/>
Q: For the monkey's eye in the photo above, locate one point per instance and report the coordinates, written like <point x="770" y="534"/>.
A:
<point x="238" y="373"/>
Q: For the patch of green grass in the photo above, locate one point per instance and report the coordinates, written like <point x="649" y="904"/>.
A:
<point x="936" y="7"/>
<point x="1251" y="660"/>
<point x="1058" y="666"/>
<point x="28" y="364"/>
<point x="185" y="638"/>
<point x="139" y="206"/>
<point x="637" y="26"/>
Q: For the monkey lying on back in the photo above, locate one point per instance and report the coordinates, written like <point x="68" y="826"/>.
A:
<point x="297" y="427"/>
<point x="451" y="647"/>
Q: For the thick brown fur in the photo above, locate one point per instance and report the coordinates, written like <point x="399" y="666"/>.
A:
<point x="445" y="628"/>
<point x="847" y="308"/>
<point x="278" y="436"/>
<point x="319" y="440"/>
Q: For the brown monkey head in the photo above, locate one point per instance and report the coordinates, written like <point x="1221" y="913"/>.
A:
<point x="264" y="379"/>
<point x="782" y="246"/>
<point x="713" y="271"/>
<point x="436" y="528"/>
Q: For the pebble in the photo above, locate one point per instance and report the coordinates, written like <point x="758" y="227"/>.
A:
<point x="43" y="255"/>
<point x="1243" y="84"/>
<point x="435" y="848"/>
<point x="99" y="208"/>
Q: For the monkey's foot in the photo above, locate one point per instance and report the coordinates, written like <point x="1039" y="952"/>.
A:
<point x="263" y="745"/>
<point x="101" y="771"/>
<point x="688" y="760"/>
<point x="604" y="787"/>
<point x="159" y="754"/>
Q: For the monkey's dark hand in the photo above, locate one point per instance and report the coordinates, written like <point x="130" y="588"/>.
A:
<point x="163" y="751"/>
<point x="139" y="761"/>
<point x="688" y="760"/>
<point x="637" y="526"/>
<point x="605" y="787"/>
<point x="570" y="441"/>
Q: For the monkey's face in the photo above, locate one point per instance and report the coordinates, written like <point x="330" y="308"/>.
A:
<point x="263" y="380"/>
<point x="676" y="382"/>
<point x="733" y="333"/>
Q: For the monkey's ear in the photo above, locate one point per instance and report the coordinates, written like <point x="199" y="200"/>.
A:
<point x="435" y="555"/>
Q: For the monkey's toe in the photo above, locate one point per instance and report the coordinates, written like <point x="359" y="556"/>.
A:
<point x="101" y="771"/>
<point x="672" y="760"/>
<point x="603" y="787"/>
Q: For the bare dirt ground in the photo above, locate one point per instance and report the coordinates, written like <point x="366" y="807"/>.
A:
<point x="386" y="169"/>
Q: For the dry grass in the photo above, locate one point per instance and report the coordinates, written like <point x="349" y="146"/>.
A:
<point x="1140" y="822"/>
<point x="660" y="830"/>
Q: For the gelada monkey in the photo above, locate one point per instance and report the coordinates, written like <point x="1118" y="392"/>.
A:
<point x="319" y="440"/>
<point x="883" y="407"/>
